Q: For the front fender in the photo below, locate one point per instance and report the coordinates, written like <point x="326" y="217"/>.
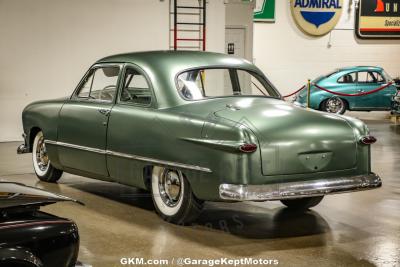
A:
<point x="317" y="98"/>
<point x="44" y="116"/>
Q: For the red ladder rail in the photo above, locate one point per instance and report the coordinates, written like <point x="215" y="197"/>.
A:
<point x="202" y="25"/>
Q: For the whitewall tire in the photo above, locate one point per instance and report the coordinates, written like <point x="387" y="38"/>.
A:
<point x="41" y="162"/>
<point x="172" y="196"/>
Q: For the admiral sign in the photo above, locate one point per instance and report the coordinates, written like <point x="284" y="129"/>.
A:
<point x="316" y="17"/>
<point x="378" y="19"/>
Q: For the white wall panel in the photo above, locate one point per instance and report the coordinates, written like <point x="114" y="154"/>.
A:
<point x="47" y="45"/>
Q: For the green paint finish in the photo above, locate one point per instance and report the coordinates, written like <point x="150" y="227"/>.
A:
<point x="204" y="133"/>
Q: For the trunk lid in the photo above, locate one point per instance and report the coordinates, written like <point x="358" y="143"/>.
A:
<point x="294" y="140"/>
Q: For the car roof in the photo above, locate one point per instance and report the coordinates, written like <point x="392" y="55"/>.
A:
<point x="186" y="59"/>
<point x="361" y="68"/>
<point x="162" y="68"/>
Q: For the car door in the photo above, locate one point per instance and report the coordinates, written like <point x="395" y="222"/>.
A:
<point x="82" y="130"/>
<point x="346" y="84"/>
<point x="134" y="112"/>
<point x="368" y="81"/>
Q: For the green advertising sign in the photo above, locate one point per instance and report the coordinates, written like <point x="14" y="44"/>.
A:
<point x="264" y="11"/>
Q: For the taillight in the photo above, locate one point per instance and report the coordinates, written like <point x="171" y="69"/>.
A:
<point x="368" y="140"/>
<point x="248" y="148"/>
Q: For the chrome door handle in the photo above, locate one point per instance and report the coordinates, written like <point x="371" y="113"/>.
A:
<point x="104" y="111"/>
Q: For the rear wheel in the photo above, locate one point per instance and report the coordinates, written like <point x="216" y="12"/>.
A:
<point x="41" y="162"/>
<point x="173" y="197"/>
<point x="302" y="203"/>
<point x="334" y="105"/>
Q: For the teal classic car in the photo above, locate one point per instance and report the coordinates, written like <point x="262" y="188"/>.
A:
<point x="351" y="80"/>
<point x="193" y="127"/>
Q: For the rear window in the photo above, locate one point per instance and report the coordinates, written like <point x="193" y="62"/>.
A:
<point x="222" y="82"/>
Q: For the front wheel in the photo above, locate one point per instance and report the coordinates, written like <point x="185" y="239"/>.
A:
<point x="41" y="162"/>
<point x="302" y="203"/>
<point x="173" y="197"/>
<point x="334" y="105"/>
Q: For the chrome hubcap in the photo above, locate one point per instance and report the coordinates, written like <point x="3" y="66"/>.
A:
<point x="170" y="187"/>
<point x="334" y="105"/>
<point x="42" y="158"/>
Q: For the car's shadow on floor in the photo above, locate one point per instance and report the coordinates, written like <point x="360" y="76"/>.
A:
<point x="239" y="219"/>
<point x="113" y="191"/>
<point x="247" y="221"/>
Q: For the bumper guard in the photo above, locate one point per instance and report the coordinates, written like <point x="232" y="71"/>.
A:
<point x="22" y="149"/>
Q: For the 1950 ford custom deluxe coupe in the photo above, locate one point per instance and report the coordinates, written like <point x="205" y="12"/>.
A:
<point x="196" y="126"/>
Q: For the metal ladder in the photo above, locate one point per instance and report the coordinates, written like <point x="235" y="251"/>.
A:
<point x="188" y="24"/>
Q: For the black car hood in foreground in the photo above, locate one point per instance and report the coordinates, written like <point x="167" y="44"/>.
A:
<point x="14" y="195"/>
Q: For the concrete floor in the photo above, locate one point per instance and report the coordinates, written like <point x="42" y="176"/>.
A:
<point x="359" y="229"/>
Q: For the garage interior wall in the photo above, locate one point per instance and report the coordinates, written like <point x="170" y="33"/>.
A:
<point x="47" y="45"/>
<point x="239" y="14"/>
<point x="289" y="57"/>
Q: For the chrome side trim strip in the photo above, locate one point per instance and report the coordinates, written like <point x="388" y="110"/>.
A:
<point x="84" y="148"/>
<point x="162" y="162"/>
<point x="130" y="156"/>
<point x="299" y="189"/>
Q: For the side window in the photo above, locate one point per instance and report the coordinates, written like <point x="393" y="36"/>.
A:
<point x="370" y="77"/>
<point x="348" y="78"/>
<point x="136" y="89"/>
<point x="365" y="77"/>
<point x="100" y="84"/>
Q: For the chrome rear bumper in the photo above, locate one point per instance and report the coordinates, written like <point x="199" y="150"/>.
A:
<point x="299" y="189"/>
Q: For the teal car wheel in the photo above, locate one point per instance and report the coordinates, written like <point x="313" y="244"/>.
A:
<point x="302" y="203"/>
<point x="334" y="105"/>
<point x="41" y="162"/>
<point x="173" y="197"/>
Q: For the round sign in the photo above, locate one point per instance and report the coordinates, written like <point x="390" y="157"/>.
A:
<point x="316" y="17"/>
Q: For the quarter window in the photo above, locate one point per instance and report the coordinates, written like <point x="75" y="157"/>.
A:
<point x="100" y="84"/>
<point x="136" y="89"/>
<point x="85" y="89"/>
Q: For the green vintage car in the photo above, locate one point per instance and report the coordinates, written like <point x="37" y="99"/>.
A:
<point x="193" y="127"/>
